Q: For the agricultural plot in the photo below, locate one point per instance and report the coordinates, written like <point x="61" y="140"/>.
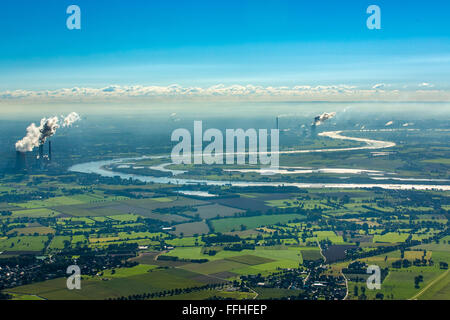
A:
<point x="328" y="235"/>
<point x="311" y="255"/>
<point x="124" y="217"/>
<point x="399" y="284"/>
<point x="225" y="267"/>
<point x="438" y="289"/>
<point x="148" y="213"/>
<point x="76" y="221"/>
<point x="79" y="239"/>
<point x="156" y="203"/>
<point x="250" y="259"/>
<point x="336" y="252"/>
<point x="58" y="242"/>
<point x="128" y="272"/>
<point x="47" y="203"/>
<point x="275" y="293"/>
<point x="94" y="288"/>
<point x="36" y="213"/>
<point x="151" y="258"/>
<point x="142" y="208"/>
<point x="25" y="297"/>
<point x="273" y="253"/>
<point x="233" y="224"/>
<point x="213" y="211"/>
<point x="7" y="207"/>
<point x="33" y="230"/>
<point x="185" y="241"/>
<point x="243" y="203"/>
<point x="191" y="228"/>
<point x="390" y="237"/>
<point x="247" y="234"/>
<point x="268" y="268"/>
<point x="23" y="243"/>
<point x="86" y="210"/>
<point x="215" y="266"/>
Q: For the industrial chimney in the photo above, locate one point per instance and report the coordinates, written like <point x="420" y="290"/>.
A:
<point x="49" y="151"/>
<point x="41" y="152"/>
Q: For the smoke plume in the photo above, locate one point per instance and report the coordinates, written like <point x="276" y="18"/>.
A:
<point x="70" y="119"/>
<point x="323" y="117"/>
<point x="37" y="135"/>
<point x="30" y="141"/>
<point x="48" y="128"/>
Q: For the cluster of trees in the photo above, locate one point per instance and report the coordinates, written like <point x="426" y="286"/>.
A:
<point x="13" y="197"/>
<point x="239" y="247"/>
<point x="5" y="296"/>
<point x="402" y="263"/>
<point x="417" y="280"/>
<point x="356" y="267"/>
<point x="220" y="238"/>
<point x="171" y="292"/>
<point x="171" y="258"/>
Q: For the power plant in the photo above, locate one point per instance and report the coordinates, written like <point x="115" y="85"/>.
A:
<point x="42" y="160"/>
<point x="21" y="161"/>
<point x="37" y="136"/>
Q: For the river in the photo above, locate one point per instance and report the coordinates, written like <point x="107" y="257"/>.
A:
<point x="98" y="167"/>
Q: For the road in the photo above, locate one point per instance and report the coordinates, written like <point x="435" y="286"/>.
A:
<point x="442" y="276"/>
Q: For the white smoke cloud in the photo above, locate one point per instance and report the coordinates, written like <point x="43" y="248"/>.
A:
<point x="31" y="140"/>
<point x="70" y="119"/>
<point x="48" y="128"/>
<point x="323" y="117"/>
<point x="37" y="135"/>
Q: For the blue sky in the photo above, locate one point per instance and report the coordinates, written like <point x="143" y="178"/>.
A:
<point x="205" y="43"/>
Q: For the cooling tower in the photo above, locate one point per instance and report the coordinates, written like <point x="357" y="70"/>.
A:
<point x="21" y="161"/>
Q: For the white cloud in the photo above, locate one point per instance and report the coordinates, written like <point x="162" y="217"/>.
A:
<point x="113" y="93"/>
<point x="379" y="86"/>
<point x="426" y="85"/>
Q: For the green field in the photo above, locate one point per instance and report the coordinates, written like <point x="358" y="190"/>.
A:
<point x="230" y="224"/>
<point x="94" y="288"/>
<point x="23" y="243"/>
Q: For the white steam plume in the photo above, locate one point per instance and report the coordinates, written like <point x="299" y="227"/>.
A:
<point x="37" y="135"/>
<point x="30" y="141"/>
<point x="323" y="117"/>
<point x="70" y="119"/>
<point x="48" y="128"/>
